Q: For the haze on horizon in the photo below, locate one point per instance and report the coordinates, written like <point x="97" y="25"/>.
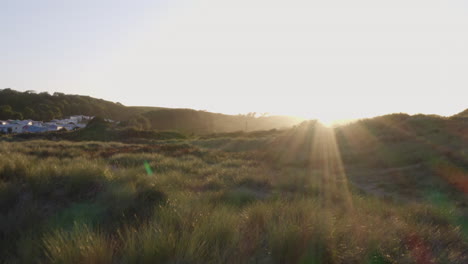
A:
<point x="331" y="60"/>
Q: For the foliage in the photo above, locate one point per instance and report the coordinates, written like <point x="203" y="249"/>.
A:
<point x="45" y="107"/>
<point x="303" y="195"/>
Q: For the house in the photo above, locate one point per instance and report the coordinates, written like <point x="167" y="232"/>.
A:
<point x="21" y="122"/>
<point x="34" y="129"/>
<point x="31" y="126"/>
<point x="79" y="118"/>
<point x="54" y="127"/>
<point x="13" y="128"/>
<point x="70" y="126"/>
<point x="16" y="126"/>
<point x="5" y="129"/>
<point x="37" y="123"/>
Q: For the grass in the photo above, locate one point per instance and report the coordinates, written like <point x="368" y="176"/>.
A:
<point x="219" y="200"/>
<point x="80" y="245"/>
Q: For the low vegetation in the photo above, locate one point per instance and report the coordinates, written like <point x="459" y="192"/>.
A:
<point x="304" y="195"/>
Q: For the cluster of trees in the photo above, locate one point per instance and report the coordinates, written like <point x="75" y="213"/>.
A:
<point x="45" y="107"/>
<point x="6" y="112"/>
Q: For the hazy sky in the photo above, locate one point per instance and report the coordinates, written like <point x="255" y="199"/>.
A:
<point x="333" y="59"/>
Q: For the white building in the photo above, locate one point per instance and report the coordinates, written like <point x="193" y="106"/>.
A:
<point x="30" y="126"/>
<point x="80" y="118"/>
<point x="16" y="127"/>
<point x="54" y="127"/>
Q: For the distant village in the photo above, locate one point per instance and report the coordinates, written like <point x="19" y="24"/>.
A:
<point x="31" y="126"/>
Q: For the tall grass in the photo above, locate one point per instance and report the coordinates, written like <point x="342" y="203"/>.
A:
<point x="80" y="245"/>
<point x="96" y="203"/>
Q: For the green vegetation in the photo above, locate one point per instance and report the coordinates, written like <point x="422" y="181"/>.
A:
<point x="45" y="107"/>
<point x="385" y="190"/>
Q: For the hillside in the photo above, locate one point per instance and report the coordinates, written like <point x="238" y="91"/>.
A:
<point x="390" y="189"/>
<point x="395" y="156"/>
<point x="463" y="114"/>
<point x="43" y="106"/>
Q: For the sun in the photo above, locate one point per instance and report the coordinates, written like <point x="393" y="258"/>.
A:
<point x="328" y="122"/>
<point x="336" y="122"/>
<point x="331" y="119"/>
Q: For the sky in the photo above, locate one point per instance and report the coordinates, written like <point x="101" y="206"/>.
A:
<point x="328" y="60"/>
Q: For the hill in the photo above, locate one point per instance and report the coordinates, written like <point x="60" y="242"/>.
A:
<point x="463" y="114"/>
<point x="44" y="106"/>
<point x="390" y="189"/>
<point x="396" y="156"/>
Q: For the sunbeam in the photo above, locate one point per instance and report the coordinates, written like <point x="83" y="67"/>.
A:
<point x="326" y="158"/>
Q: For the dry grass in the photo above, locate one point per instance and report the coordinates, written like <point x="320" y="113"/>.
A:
<point x="94" y="202"/>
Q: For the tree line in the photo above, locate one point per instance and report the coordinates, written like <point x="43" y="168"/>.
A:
<point x="45" y="107"/>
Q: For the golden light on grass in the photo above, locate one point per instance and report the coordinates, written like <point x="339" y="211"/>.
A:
<point x="326" y="157"/>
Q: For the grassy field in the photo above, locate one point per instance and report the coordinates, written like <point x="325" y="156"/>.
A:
<point x="304" y="195"/>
